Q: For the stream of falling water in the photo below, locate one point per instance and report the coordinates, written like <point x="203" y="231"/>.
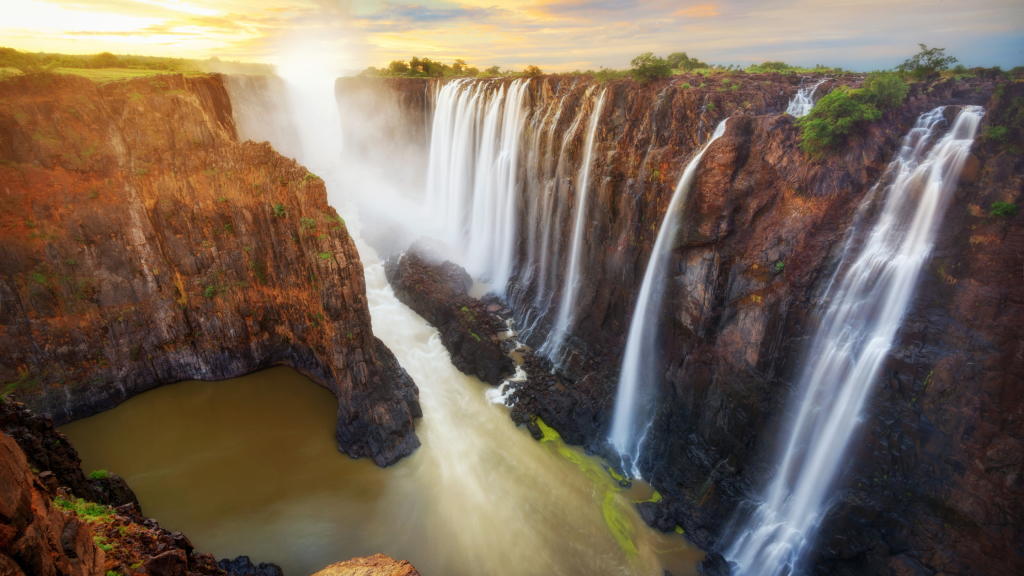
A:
<point x="803" y="102"/>
<point x="865" y="309"/>
<point x="248" y="466"/>
<point x="640" y="362"/>
<point x="567" y="306"/>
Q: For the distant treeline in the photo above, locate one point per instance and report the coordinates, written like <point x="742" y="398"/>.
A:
<point x="647" y="67"/>
<point x="34" y="62"/>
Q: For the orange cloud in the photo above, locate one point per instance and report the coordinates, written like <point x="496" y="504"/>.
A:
<point x="698" y="11"/>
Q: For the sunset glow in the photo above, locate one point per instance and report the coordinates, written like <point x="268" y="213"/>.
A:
<point x="559" y="35"/>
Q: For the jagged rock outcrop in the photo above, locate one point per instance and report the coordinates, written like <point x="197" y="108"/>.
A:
<point x="438" y="290"/>
<point x="36" y="537"/>
<point x="934" y="484"/>
<point x="242" y="566"/>
<point x="142" y="244"/>
<point x="51" y="455"/>
<point x="376" y="565"/>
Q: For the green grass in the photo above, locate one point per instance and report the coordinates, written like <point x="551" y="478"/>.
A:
<point x="103" y="75"/>
<point x="88" y="511"/>
<point x="100" y="474"/>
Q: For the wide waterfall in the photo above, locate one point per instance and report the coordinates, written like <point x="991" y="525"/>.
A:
<point x="501" y="214"/>
<point x="472" y="173"/>
<point x="803" y="102"/>
<point x="567" y="305"/>
<point x="865" y="307"/>
<point x="633" y="401"/>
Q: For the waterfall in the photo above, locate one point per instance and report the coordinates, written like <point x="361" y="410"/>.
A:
<point x="802" y="103"/>
<point x="567" y="306"/>
<point x="472" y="173"/>
<point x="633" y="402"/>
<point x="866" y="306"/>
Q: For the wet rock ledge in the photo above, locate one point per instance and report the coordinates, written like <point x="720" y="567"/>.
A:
<point x="438" y="290"/>
<point x="142" y="244"/>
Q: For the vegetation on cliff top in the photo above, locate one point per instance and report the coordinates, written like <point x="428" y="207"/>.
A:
<point x="106" y="66"/>
<point x="845" y="112"/>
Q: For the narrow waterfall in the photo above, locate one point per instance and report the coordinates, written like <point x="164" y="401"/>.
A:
<point x="802" y="103"/>
<point x="550" y="197"/>
<point x="567" y="306"/>
<point x="633" y="401"/>
<point x="866" y="306"/>
<point x="472" y="173"/>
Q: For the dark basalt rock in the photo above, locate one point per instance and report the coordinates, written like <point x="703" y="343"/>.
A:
<point x="438" y="290"/>
<point x="58" y="462"/>
<point x="242" y="566"/>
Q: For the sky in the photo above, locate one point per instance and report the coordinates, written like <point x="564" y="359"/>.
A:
<point x="559" y="35"/>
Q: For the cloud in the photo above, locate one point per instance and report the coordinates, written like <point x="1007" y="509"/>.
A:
<point x="554" y="34"/>
<point x="704" y="11"/>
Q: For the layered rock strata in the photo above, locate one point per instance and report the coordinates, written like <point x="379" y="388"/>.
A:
<point x="142" y="244"/>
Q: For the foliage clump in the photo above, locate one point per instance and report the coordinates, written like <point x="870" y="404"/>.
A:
<point x="1005" y="209"/>
<point x="99" y="475"/>
<point x="845" y="112"/>
<point x="927" y="62"/>
<point x="647" y="67"/>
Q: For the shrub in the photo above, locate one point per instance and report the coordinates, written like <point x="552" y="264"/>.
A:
<point x="280" y="210"/>
<point x="1003" y="209"/>
<point x="711" y="106"/>
<point x="927" y="61"/>
<point x="780" y="266"/>
<point x="310" y="176"/>
<point x="210" y="292"/>
<point x="647" y="67"/>
<point x="683" y="62"/>
<point x="833" y="120"/>
<point x="608" y="74"/>
<point x="884" y="90"/>
<point x="997" y="133"/>
<point x="307" y="223"/>
<point x="532" y="70"/>
<point x="99" y="474"/>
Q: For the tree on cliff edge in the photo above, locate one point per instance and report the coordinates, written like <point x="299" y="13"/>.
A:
<point x="647" y="67"/>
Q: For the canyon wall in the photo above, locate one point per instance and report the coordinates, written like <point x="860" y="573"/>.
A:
<point x="934" y="482"/>
<point x="142" y="244"/>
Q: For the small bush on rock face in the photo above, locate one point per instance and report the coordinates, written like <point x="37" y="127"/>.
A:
<point x="280" y="210"/>
<point x="833" y="120"/>
<point x="99" y="475"/>
<point x="1003" y="209"/>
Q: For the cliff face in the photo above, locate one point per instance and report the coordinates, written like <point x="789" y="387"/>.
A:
<point x="142" y="244"/>
<point x="934" y="483"/>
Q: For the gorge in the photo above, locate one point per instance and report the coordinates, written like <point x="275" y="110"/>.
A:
<point x="532" y="222"/>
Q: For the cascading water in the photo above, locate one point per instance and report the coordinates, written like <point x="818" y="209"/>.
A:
<point x="633" y="402"/>
<point x="865" y="310"/>
<point x="472" y="173"/>
<point x="803" y="102"/>
<point x="567" y="305"/>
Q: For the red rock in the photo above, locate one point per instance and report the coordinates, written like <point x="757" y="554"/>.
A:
<point x="376" y="565"/>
